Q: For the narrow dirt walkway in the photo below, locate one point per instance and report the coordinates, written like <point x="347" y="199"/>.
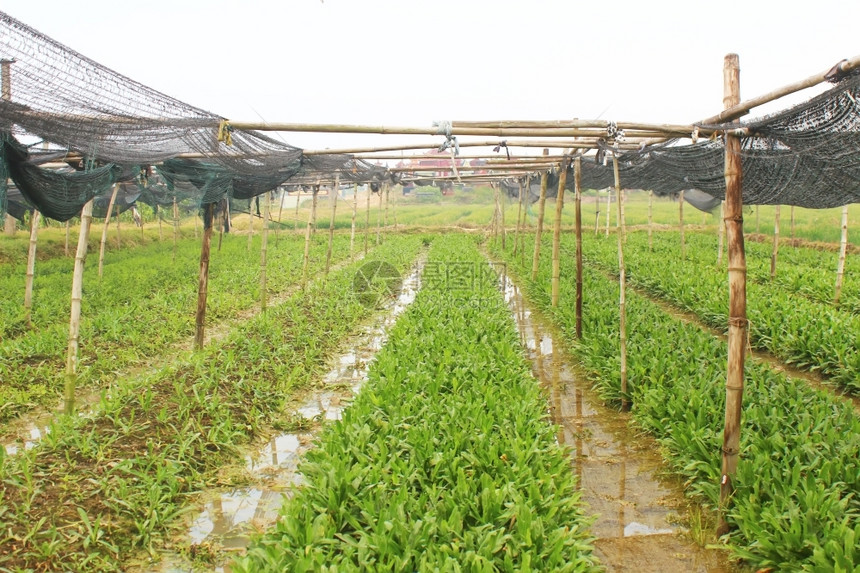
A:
<point x="619" y="470"/>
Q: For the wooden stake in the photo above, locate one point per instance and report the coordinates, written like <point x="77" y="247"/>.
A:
<point x="335" y="193"/>
<point x="160" y="232"/>
<point x="843" y="247"/>
<point x="394" y="211"/>
<point x="556" y="232"/>
<point x="577" y="189"/>
<point x="721" y="228"/>
<point x="31" y="265"/>
<point x="264" y="245"/>
<point x="496" y="214"/>
<point x="354" y="213"/>
<point x="203" y="279"/>
<point x="251" y="222"/>
<point x="367" y="220"/>
<point x="608" y="209"/>
<point x="737" y="339"/>
<point x="308" y="235"/>
<point x="280" y="212"/>
<point x="519" y="213"/>
<point x="379" y="220"/>
<point x="68" y="232"/>
<point x="596" y="213"/>
<point x="298" y="201"/>
<point x="175" y="227"/>
<point x="622" y="287"/>
<point x="502" y="218"/>
<point x="385" y="217"/>
<point x="539" y="230"/>
<point x="681" y="224"/>
<point x="105" y="229"/>
<point x="75" y="315"/>
<point x="118" y="230"/>
<point x="650" y="220"/>
<point x="775" y="252"/>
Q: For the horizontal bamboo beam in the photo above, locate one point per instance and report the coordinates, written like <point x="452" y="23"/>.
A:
<point x="576" y="124"/>
<point x="743" y="108"/>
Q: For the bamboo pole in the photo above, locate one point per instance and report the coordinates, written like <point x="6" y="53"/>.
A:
<point x="280" y="212"/>
<point x="556" y="233"/>
<point x="681" y="224"/>
<point x="577" y="189"/>
<point x="335" y="190"/>
<point x="738" y="324"/>
<point x="354" y="213"/>
<point x="597" y="213"/>
<point x="251" y="221"/>
<point x="298" y="201"/>
<point x="309" y="234"/>
<point x="526" y="185"/>
<point x="519" y="213"/>
<point x="650" y="220"/>
<point x="367" y="220"/>
<point x="843" y="247"/>
<point x="175" y="227"/>
<point x="502" y="218"/>
<point x="608" y="209"/>
<point x="791" y="223"/>
<point x="68" y="232"/>
<point x="31" y="265"/>
<point x="495" y="222"/>
<point x="387" y="200"/>
<point x="757" y="227"/>
<point x="118" y="230"/>
<point x="539" y="229"/>
<point x="105" y="229"/>
<point x="379" y="220"/>
<point x="160" y="232"/>
<point x="720" y="231"/>
<point x="622" y="287"/>
<point x="394" y="211"/>
<point x="264" y="246"/>
<point x="75" y="314"/>
<point x="203" y="278"/>
<point x="775" y="252"/>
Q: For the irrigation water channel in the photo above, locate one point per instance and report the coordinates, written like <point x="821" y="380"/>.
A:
<point x="618" y="469"/>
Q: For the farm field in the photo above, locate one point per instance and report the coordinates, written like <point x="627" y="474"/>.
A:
<point x="796" y="504"/>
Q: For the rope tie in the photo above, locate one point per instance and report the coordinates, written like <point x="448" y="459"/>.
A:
<point x="505" y="145"/>
<point x="734" y="219"/>
<point x="746" y="324"/>
<point x="224" y="132"/>
<point x="612" y="130"/>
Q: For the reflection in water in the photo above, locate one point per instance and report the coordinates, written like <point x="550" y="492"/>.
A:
<point x="616" y="469"/>
<point x="227" y="518"/>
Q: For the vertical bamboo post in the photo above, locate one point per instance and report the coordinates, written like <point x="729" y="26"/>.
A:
<point x="539" y="229"/>
<point x="650" y="220"/>
<point x="31" y="264"/>
<point x="6" y="95"/>
<point x="298" y="202"/>
<point x="608" y="209"/>
<point x="495" y="222"/>
<point x="118" y="230"/>
<point x="196" y="227"/>
<point x="775" y="252"/>
<point x="681" y="224"/>
<point x="622" y="287"/>
<point x="556" y="231"/>
<point x="367" y="220"/>
<point x="385" y="216"/>
<point x="720" y="231"/>
<point x="757" y="228"/>
<point x="379" y="219"/>
<point x="577" y="190"/>
<point x="354" y="213"/>
<point x="394" y="210"/>
<point x="280" y="213"/>
<point x="75" y="315"/>
<point x="68" y="232"/>
<point x="526" y="197"/>
<point x="519" y="213"/>
<point x="175" y="227"/>
<point x="105" y="229"/>
<point x="336" y="192"/>
<point x="251" y="222"/>
<point x="264" y="246"/>
<point x="737" y="293"/>
<point x="502" y="216"/>
<point x="203" y="279"/>
<point x="308" y="234"/>
<point x="791" y="223"/>
<point x="596" y="212"/>
<point x="843" y="247"/>
<point x="160" y="231"/>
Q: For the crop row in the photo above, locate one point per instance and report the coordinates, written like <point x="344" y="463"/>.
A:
<point x="96" y="491"/>
<point x="800" y="270"/>
<point x="446" y="461"/>
<point x="810" y="335"/>
<point x="796" y="503"/>
<point x="145" y="302"/>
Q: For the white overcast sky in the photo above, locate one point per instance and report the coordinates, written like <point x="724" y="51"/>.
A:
<point x="409" y="62"/>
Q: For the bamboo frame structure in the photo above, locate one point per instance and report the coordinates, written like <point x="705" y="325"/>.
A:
<point x="577" y="189"/>
<point x="503" y="230"/>
<point x="738" y="325"/>
<point x="775" y="250"/>
<point x="539" y="229"/>
<point x="354" y="213"/>
<point x="336" y="192"/>
<point x="556" y="233"/>
<point x="721" y="227"/>
<point x="519" y="214"/>
<point x="203" y="278"/>
<point x="843" y="247"/>
<point x="75" y="314"/>
<point x="68" y="232"/>
<point x="379" y="220"/>
<point x="312" y="219"/>
<point x="105" y="229"/>
<point x="264" y="243"/>
<point x="367" y="222"/>
<point x="622" y="288"/>
<point x="495" y="222"/>
<point x="251" y="222"/>
<point x="31" y="265"/>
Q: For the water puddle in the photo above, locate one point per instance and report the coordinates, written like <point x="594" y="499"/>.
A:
<point x="619" y="470"/>
<point x="227" y="517"/>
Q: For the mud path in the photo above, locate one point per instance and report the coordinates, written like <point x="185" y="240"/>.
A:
<point x="621" y="474"/>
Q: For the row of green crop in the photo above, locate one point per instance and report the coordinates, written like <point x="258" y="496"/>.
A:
<point x="144" y="302"/>
<point x="796" y="503"/>
<point x="800" y="270"/>
<point x="96" y="491"/>
<point x="799" y="331"/>
<point x="446" y="461"/>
